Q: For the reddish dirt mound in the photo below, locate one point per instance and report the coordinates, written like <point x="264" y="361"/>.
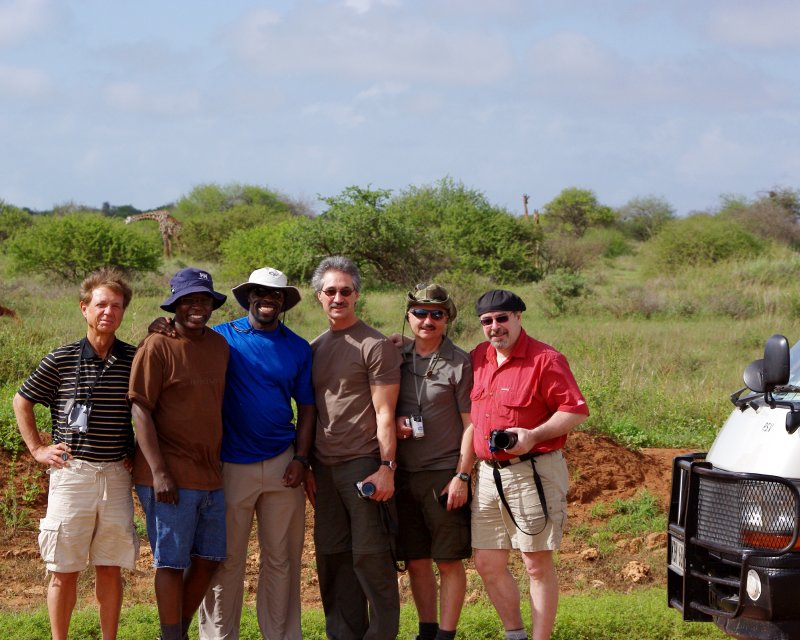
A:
<point x="600" y="470"/>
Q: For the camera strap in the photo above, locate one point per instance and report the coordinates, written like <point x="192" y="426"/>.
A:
<point x="390" y="526"/>
<point x="106" y="366"/>
<point x="539" y="490"/>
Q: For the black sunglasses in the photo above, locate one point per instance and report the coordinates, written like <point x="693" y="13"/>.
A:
<point x="436" y="314"/>
<point x="264" y="292"/>
<point x="501" y="319"/>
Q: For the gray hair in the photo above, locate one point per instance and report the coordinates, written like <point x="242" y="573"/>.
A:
<point x="336" y="263"/>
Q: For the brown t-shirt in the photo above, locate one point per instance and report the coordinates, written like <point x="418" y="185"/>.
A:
<point x="345" y="364"/>
<point x="181" y="382"/>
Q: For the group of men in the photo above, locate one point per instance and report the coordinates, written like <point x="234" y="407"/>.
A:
<point x="385" y="438"/>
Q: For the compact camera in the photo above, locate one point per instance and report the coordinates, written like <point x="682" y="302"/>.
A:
<point x="78" y="416"/>
<point x="365" y="489"/>
<point x="417" y="428"/>
<point x="499" y="439"/>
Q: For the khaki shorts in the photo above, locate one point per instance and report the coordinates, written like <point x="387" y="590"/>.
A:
<point x="492" y="526"/>
<point x="89" y="518"/>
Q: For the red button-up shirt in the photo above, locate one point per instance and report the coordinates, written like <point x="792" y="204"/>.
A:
<point x="532" y="384"/>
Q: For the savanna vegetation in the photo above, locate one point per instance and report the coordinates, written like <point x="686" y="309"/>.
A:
<point x="658" y="314"/>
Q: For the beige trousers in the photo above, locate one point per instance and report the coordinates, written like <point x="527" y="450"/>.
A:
<point x="257" y="489"/>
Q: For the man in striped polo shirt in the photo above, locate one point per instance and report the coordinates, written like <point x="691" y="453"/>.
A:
<point x="90" y="507"/>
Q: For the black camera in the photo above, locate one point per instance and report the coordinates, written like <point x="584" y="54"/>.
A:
<point x="502" y="439"/>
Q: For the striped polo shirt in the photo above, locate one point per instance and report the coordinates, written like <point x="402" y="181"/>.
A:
<point x="52" y="384"/>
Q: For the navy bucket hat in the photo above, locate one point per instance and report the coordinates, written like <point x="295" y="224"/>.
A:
<point x="191" y="280"/>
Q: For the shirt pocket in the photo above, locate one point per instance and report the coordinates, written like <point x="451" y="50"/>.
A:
<point x="511" y="403"/>
<point x="477" y="393"/>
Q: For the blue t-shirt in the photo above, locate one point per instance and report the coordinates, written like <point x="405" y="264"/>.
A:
<point x="266" y="370"/>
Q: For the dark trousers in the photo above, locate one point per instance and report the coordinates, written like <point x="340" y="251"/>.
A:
<point x="357" y="578"/>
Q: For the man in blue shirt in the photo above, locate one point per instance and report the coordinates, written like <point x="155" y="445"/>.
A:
<point x="264" y="460"/>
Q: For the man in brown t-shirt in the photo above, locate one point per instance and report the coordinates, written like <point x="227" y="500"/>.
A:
<point x="176" y="390"/>
<point x="356" y="377"/>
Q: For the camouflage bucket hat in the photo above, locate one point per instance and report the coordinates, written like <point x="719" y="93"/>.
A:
<point x="432" y="294"/>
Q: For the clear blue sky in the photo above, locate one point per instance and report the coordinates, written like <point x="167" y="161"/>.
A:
<point x="138" y="102"/>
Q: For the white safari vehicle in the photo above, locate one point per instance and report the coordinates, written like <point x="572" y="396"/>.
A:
<point x="734" y="555"/>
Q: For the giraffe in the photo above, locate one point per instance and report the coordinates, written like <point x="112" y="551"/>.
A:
<point x="525" y="198"/>
<point x="168" y="226"/>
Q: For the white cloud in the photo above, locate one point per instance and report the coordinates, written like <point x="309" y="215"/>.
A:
<point x="362" y="6"/>
<point x="759" y="24"/>
<point x="382" y="90"/>
<point x="715" y="155"/>
<point x="573" y="66"/>
<point x="129" y="96"/>
<point x="21" y="18"/>
<point x="23" y="82"/>
<point x="375" y="46"/>
<point x="340" y="114"/>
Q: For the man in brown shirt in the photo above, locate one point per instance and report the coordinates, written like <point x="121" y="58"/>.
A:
<point x="356" y="377"/>
<point x="176" y="390"/>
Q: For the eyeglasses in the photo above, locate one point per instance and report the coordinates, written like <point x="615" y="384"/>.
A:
<point x="264" y="292"/>
<point x="331" y="292"/>
<point x="435" y="314"/>
<point x="501" y="319"/>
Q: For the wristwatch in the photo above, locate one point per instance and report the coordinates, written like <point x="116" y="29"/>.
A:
<point x="390" y="463"/>
<point x="464" y="477"/>
<point x="302" y="460"/>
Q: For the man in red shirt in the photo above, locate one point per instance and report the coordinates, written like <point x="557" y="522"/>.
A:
<point x="524" y="390"/>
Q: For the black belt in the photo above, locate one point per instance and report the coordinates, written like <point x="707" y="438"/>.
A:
<point x="507" y="463"/>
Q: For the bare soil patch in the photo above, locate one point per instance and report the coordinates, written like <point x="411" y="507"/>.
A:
<point x="601" y="471"/>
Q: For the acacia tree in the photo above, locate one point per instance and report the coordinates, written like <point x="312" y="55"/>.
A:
<point x="358" y="224"/>
<point x="468" y="233"/>
<point x="574" y="210"/>
<point x="642" y="217"/>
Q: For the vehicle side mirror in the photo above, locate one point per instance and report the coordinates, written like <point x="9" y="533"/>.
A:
<point x="776" y="362"/>
<point x="763" y="375"/>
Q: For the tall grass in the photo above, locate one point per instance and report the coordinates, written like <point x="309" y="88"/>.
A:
<point x="658" y="380"/>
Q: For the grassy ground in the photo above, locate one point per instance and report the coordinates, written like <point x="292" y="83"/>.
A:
<point x="640" y="615"/>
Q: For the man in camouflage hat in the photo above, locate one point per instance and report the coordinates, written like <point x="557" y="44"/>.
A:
<point x="435" y="458"/>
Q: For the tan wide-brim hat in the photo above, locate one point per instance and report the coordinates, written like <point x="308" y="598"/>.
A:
<point x="267" y="277"/>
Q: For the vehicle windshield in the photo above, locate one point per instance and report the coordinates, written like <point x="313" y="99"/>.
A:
<point x="794" y="369"/>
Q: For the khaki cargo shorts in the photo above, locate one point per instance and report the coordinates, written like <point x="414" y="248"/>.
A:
<point x="492" y="526"/>
<point x="89" y="518"/>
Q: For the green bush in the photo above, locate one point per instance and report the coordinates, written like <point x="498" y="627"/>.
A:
<point x="701" y="240"/>
<point x="276" y="245"/>
<point x="71" y="246"/>
<point x="12" y="220"/>
<point x="463" y="231"/>
<point x="563" y="287"/>
<point x="202" y="236"/>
